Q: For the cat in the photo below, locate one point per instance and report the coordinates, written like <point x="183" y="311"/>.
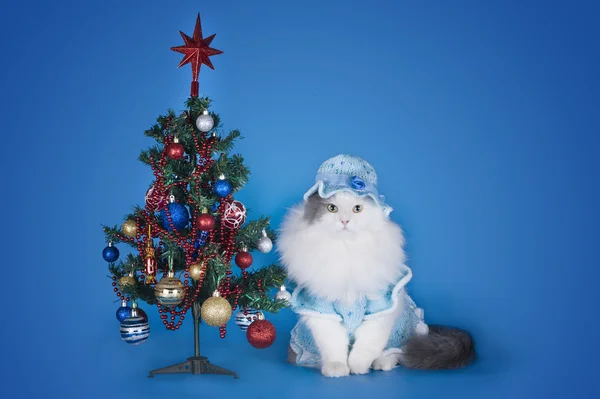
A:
<point x="347" y="258"/>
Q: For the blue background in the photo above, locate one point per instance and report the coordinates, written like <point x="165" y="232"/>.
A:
<point x="481" y="119"/>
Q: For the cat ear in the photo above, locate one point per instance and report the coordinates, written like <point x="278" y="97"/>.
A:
<point x="314" y="208"/>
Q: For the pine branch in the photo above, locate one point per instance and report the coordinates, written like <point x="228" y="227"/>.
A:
<point x="156" y="132"/>
<point x="225" y="145"/>
<point x="265" y="303"/>
<point x="272" y="276"/>
<point x="114" y="234"/>
<point x="234" y="170"/>
<point x="154" y="152"/>
<point x="201" y="200"/>
<point x="251" y="232"/>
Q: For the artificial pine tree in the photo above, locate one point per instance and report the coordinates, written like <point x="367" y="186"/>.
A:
<point x="191" y="230"/>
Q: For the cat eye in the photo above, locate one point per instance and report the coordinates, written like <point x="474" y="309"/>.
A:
<point x="332" y="208"/>
<point x="357" y="208"/>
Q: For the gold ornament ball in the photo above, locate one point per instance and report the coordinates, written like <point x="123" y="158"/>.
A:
<point x="129" y="228"/>
<point x="126" y="281"/>
<point x="197" y="271"/>
<point x="216" y="311"/>
<point x="169" y="291"/>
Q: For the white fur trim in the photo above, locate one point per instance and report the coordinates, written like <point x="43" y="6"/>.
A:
<point x="422" y="329"/>
<point x="397" y="288"/>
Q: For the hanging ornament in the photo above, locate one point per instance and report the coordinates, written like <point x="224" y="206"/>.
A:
<point x="261" y="333"/>
<point x="110" y="253"/>
<point x="222" y="187"/>
<point x="155" y="198"/>
<point x="206" y="221"/>
<point x="245" y="317"/>
<point x="197" y="271"/>
<point x="175" y="150"/>
<point x="283" y="294"/>
<point x="123" y="312"/>
<point x="178" y="213"/>
<point x="264" y="243"/>
<point x="169" y="291"/>
<point x="201" y="239"/>
<point x="234" y="215"/>
<point x="205" y="122"/>
<point x="243" y="259"/>
<point x="127" y="281"/>
<point x="129" y="228"/>
<point x="150" y="260"/>
<point x="216" y="310"/>
<point x="135" y="329"/>
<point x="215" y="206"/>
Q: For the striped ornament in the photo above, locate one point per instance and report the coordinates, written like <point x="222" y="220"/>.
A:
<point x="169" y="291"/>
<point x="135" y="330"/>
<point x="244" y="320"/>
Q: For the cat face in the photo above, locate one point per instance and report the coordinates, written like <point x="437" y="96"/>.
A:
<point x="343" y="214"/>
<point x="341" y="248"/>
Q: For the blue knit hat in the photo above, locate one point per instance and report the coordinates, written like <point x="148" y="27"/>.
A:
<point x="347" y="173"/>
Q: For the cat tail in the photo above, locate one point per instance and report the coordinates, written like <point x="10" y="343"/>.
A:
<point x="443" y="348"/>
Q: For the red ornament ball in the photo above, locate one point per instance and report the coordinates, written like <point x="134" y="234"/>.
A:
<point x="175" y="151"/>
<point x="205" y="222"/>
<point x="261" y="334"/>
<point x="243" y="259"/>
<point x="234" y="215"/>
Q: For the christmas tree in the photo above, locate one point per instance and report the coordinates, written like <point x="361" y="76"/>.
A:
<point x="191" y="230"/>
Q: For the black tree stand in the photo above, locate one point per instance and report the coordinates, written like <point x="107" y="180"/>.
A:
<point x="195" y="364"/>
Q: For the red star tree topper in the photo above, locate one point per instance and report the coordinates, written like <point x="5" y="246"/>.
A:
<point x="196" y="51"/>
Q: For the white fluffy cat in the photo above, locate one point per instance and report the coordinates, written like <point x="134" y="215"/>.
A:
<point x="345" y="254"/>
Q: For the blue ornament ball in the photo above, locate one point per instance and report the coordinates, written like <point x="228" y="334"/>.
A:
<point x="179" y="216"/>
<point x="135" y="330"/>
<point x="222" y="188"/>
<point x="110" y="254"/>
<point x="123" y="312"/>
<point x="215" y="206"/>
<point x="201" y="239"/>
<point x="244" y="320"/>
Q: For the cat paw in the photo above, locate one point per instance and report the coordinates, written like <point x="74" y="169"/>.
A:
<point x="335" y="369"/>
<point x="386" y="362"/>
<point x="360" y="362"/>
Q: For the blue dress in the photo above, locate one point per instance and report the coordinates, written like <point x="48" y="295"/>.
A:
<point x="408" y="323"/>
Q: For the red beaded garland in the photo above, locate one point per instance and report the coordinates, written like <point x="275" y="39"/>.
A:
<point x="204" y="222"/>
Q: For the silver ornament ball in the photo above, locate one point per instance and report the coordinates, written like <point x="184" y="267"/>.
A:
<point x="264" y="244"/>
<point x="205" y="122"/>
<point x="283" y="294"/>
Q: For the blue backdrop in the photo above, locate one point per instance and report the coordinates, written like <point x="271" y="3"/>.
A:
<point x="481" y="119"/>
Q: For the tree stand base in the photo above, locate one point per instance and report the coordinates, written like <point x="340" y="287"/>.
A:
<point x="193" y="365"/>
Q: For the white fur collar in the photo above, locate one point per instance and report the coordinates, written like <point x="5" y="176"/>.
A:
<point x="361" y="264"/>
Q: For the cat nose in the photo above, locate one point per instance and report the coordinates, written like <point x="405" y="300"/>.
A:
<point x="345" y="222"/>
